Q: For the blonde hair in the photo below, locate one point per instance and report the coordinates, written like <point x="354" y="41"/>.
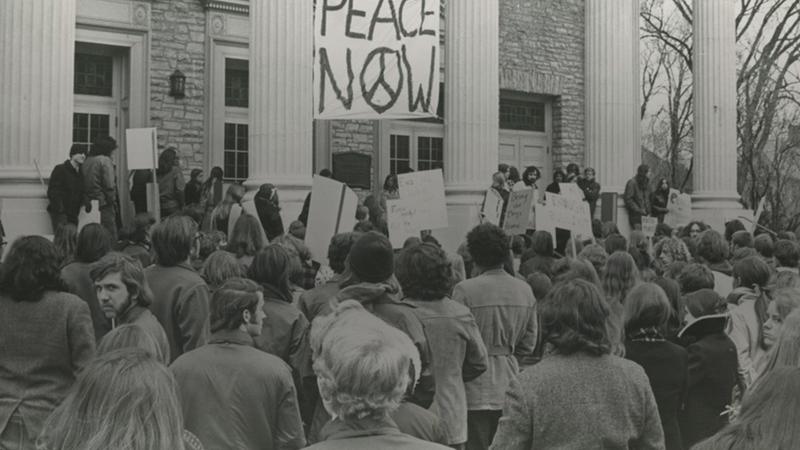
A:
<point x="786" y="350"/>
<point x="125" y="400"/>
<point x="363" y="365"/>
<point x="131" y="336"/>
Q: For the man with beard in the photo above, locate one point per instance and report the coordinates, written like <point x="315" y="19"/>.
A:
<point x="637" y="196"/>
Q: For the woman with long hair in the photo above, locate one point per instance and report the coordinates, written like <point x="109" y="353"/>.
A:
<point x="124" y="400"/>
<point x="769" y="417"/>
<point x="784" y="301"/>
<point x="786" y="350"/>
<point x="620" y="276"/>
<point x="746" y="326"/>
<point x="170" y="182"/>
<point x="646" y="313"/>
<point x="247" y="239"/>
<point x="94" y="242"/>
<point x="131" y="335"/>
<point x="231" y="204"/>
<point x="269" y="210"/>
<point x="659" y="200"/>
<point x="46" y="339"/>
<point x="194" y="188"/>
<point x="66" y="242"/>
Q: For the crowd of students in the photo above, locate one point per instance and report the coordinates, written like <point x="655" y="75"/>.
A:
<point x="219" y="330"/>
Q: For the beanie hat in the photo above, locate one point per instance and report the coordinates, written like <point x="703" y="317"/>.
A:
<point x="372" y="258"/>
<point x="704" y="302"/>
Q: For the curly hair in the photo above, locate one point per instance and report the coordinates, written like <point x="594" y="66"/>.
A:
<point x="620" y="276"/>
<point x="488" y="245"/>
<point x="31" y="268"/>
<point x="573" y="318"/>
<point x="424" y="272"/>
<point x="363" y="365"/>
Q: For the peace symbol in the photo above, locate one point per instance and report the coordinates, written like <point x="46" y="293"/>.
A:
<point x="380" y="81"/>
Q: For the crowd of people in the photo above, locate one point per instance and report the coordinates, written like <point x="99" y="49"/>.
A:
<point x="217" y="329"/>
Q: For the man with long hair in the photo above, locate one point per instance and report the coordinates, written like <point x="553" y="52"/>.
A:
<point x="124" y="296"/>
<point x="180" y="296"/>
<point x="637" y="196"/>
<point x="232" y="394"/>
<point x="100" y="182"/>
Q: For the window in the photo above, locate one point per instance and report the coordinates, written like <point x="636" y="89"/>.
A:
<point x="235" y="152"/>
<point x="429" y="153"/>
<point x="94" y="74"/>
<point x="399" y="153"/>
<point x="86" y="127"/>
<point x="522" y="115"/>
<point x="236" y="82"/>
<point x="420" y="149"/>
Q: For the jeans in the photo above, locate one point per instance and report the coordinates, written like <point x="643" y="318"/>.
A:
<point x="15" y="435"/>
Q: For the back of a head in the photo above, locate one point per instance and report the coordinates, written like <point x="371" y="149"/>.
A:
<point x="173" y="239"/>
<point x="742" y="238"/>
<point x="227" y="307"/>
<point x="751" y="271"/>
<point x="540" y="284"/>
<point x="220" y="266"/>
<point x="573" y="318"/>
<point x="94" y="241"/>
<point x="92" y="417"/>
<point x="31" y="268"/>
<point x="694" y="277"/>
<point x="577" y="269"/>
<point x="787" y="235"/>
<point x="620" y="275"/>
<point x="704" y="302"/>
<point x="596" y="255"/>
<point x="646" y="306"/>
<point x="610" y="228"/>
<point x="339" y="248"/>
<point x="616" y="243"/>
<point x="424" y="272"/>
<point x="712" y="247"/>
<point x="128" y="336"/>
<point x="247" y="237"/>
<point x="542" y="243"/>
<point x="787" y="253"/>
<point x="363" y="365"/>
<point x="273" y="266"/>
<point x="732" y="227"/>
<point x="371" y="258"/>
<point x="103" y="145"/>
<point x="764" y="245"/>
<point x="167" y="160"/>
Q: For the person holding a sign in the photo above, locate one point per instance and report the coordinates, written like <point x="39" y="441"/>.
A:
<point x="637" y="196"/>
<point x="659" y="200"/>
<point x="100" y="182"/>
<point x="495" y="200"/>
<point x="65" y="189"/>
<point x="558" y="177"/>
<point x="590" y="188"/>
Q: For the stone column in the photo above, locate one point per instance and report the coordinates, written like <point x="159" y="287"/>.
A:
<point x="471" y="123"/>
<point x="714" y="170"/>
<point x="613" y="143"/>
<point x="281" y="116"/>
<point x="37" y="48"/>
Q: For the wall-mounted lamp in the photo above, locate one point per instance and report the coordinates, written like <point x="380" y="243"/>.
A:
<point x="177" y="84"/>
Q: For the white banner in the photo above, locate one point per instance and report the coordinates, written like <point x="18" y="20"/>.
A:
<point x="376" y="59"/>
<point x="425" y="192"/>
<point x="141" y="148"/>
<point x="332" y="211"/>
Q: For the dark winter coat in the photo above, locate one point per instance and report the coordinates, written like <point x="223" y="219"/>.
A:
<point x="637" y="200"/>
<point x="65" y="191"/>
<point x="658" y="204"/>
<point x="269" y="213"/>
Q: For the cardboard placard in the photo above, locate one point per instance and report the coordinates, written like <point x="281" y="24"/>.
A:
<point x="425" y="191"/>
<point x="141" y="148"/>
<point x="571" y="190"/>
<point x="679" y="209"/>
<point x="544" y="222"/>
<point x="400" y="215"/>
<point x="649" y="225"/>
<point x="518" y="212"/>
<point x="376" y="59"/>
<point x="332" y="211"/>
<point x="92" y="216"/>
<point x="570" y="214"/>
<point x="492" y="209"/>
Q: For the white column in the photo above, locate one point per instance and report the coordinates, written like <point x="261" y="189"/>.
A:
<point x="281" y="120"/>
<point x="714" y="171"/>
<point x="37" y="50"/>
<point x="471" y="124"/>
<point x="613" y="143"/>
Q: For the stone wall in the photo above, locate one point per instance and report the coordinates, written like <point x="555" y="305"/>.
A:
<point x="355" y="136"/>
<point x="178" y="41"/>
<point x="542" y="52"/>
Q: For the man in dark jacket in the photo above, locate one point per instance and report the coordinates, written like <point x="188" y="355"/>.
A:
<point x="180" y="296"/>
<point x="590" y="188"/>
<point x="100" y="182"/>
<point x="232" y="394"/>
<point x="65" y="189"/>
<point x="637" y="196"/>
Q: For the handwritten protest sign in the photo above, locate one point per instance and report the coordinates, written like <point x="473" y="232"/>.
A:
<point x="492" y="210"/>
<point x="332" y="211"/>
<point x="570" y="214"/>
<point x="425" y="191"/>
<point x="571" y="190"/>
<point x="518" y="211"/>
<point x="649" y="226"/>
<point x="376" y="60"/>
<point x="400" y="217"/>
<point x="141" y="148"/>
<point x="679" y="209"/>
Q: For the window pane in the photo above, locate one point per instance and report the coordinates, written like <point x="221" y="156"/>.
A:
<point x="94" y="74"/>
<point x="230" y="136"/>
<point x="236" y="82"/>
<point x="403" y="144"/>
<point x="241" y="137"/>
<point x="522" y="115"/>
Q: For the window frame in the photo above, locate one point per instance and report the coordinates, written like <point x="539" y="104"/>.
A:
<point x="218" y="113"/>
<point x="414" y="130"/>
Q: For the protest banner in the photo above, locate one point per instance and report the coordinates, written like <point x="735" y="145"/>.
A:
<point x="518" y="212"/>
<point x="376" y="60"/>
<point x="571" y="190"/>
<point x="400" y="217"/>
<point x="570" y="214"/>
<point x="649" y="226"/>
<point x="679" y="209"/>
<point x="425" y="191"/>
<point x="141" y="148"/>
<point x="492" y="209"/>
<point x="332" y="211"/>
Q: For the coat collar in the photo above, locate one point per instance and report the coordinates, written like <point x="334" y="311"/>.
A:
<point x="231" y="337"/>
<point x="338" y="429"/>
<point x="131" y="314"/>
